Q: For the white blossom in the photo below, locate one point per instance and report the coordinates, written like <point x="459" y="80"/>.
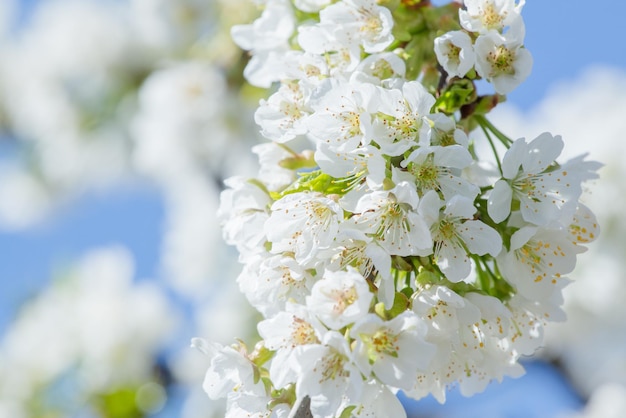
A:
<point x="393" y="351"/>
<point x="537" y="259"/>
<point x="267" y="40"/>
<point x="483" y="16"/>
<point x="502" y="60"/>
<point x="283" y="116"/>
<point x="456" y="233"/>
<point x="394" y="221"/>
<point x="303" y="223"/>
<point x="327" y="374"/>
<point x="439" y="168"/>
<point x="340" y="298"/>
<point x="544" y="194"/>
<point x="362" y="20"/>
<point x="455" y="53"/>
<point x="399" y="117"/>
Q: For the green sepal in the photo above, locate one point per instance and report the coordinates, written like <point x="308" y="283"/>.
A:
<point x="261" y="355"/>
<point x="299" y="162"/>
<point x="485" y="104"/>
<point x="426" y="278"/>
<point x="400" y="263"/>
<point x="400" y="304"/>
<point x="286" y="396"/>
<point x="347" y="413"/>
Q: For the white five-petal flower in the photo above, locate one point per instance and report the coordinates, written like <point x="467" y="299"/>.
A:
<point x="456" y="234"/>
<point x="455" y="53"/>
<point x="340" y="298"/>
<point x="393" y="351"/>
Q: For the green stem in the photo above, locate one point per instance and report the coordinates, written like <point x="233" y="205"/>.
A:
<point x="483" y="276"/>
<point x="493" y="148"/>
<point x="485" y="123"/>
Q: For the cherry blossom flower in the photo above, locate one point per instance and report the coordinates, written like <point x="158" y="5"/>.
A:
<point x="455" y="53"/>
<point x="544" y="192"/>
<point x="399" y="117"/>
<point x="456" y="234"/>
<point x="340" y="298"/>
<point x="394" y="221"/>
<point x="303" y="223"/>
<point x="502" y="60"/>
<point x="393" y="351"/>
<point x="483" y="16"/>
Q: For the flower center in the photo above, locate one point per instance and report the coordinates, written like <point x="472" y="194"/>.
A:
<point x="491" y="19"/>
<point x="501" y="61"/>
<point x="382" y="342"/>
<point x="426" y="174"/>
<point x="303" y="333"/>
<point x="343" y="298"/>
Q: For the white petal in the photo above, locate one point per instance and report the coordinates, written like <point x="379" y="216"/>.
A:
<point x="542" y="151"/>
<point x="480" y="238"/>
<point x="513" y="159"/>
<point x="499" y="203"/>
<point x="454" y="262"/>
<point x="460" y="206"/>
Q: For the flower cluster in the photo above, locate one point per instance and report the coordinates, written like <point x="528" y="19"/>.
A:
<point x="388" y="255"/>
<point x="497" y="53"/>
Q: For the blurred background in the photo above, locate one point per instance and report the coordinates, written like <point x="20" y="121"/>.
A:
<point x="119" y="120"/>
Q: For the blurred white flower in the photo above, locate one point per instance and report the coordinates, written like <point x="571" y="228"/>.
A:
<point x="24" y="200"/>
<point x="96" y="327"/>
<point x="171" y="26"/>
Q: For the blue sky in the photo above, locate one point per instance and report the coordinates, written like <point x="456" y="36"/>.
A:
<point x="564" y="37"/>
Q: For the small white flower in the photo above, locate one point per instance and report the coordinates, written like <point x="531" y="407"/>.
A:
<point x="455" y="233"/>
<point x="327" y="374"/>
<point x="340" y="298"/>
<point x="267" y="38"/>
<point x="242" y="214"/>
<point x="303" y="223"/>
<point x="393" y="220"/>
<point x="275" y="281"/>
<point x="444" y="131"/>
<point x="502" y="61"/>
<point x="282" y="117"/>
<point x="449" y="318"/>
<point x="356" y="249"/>
<point x="271" y="173"/>
<point x="230" y="370"/>
<point x="384" y="68"/>
<point x="363" y="20"/>
<point x="584" y="227"/>
<point x="295" y="327"/>
<point x="392" y="351"/>
<point x="543" y="193"/>
<point x="438" y="168"/>
<point x="455" y="53"/>
<point x="529" y="317"/>
<point x="364" y="163"/>
<point x="399" y="117"/>
<point x="378" y="400"/>
<point x="537" y="259"/>
<point x="339" y="116"/>
<point x="483" y="16"/>
<point x="339" y="52"/>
